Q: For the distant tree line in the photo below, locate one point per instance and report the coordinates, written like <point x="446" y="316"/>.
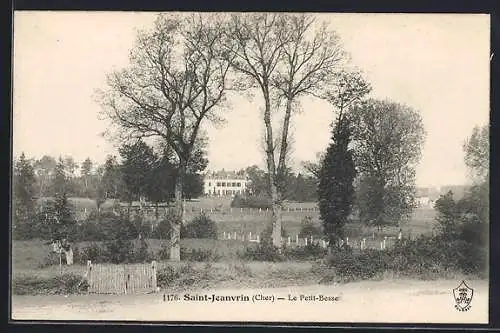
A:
<point x="295" y="187"/>
<point x="41" y="188"/>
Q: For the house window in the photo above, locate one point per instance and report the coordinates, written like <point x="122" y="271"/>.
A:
<point x="223" y="184"/>
<point x="209" y="184"/>
<point x="238" y="184"/>
<point x="234" y="184"/>
<point x="218" y="183"/>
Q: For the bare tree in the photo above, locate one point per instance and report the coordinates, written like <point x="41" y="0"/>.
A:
<point x="345" y="89"/>
<point x="286" y="56"/>
<point x="177" y="78"/>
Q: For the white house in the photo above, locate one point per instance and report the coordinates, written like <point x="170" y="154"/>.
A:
<point x="225" y="183"/>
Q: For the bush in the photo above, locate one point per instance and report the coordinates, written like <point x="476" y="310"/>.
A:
<point x="251" y="202"/>
<point x="350" y="267"/>
<point x="107" y="226"/>
<point x="304" y="253"/>
<point x="62" y="284"/>
<point x="199" y="255"/>
<point x="166" y="276"/>
<point x="142" y="254"/>
<point x="164" y="252"/>
<point x="200" y="227"/>
<point x="308" y="228"/>
<point x="93" y="252"/>
<point x="120" y="251"/>
<point x="51" y="259"/>
<point x="184" y="276"/>
<point x="163" y="230"/>
<point x="264" y="251"/>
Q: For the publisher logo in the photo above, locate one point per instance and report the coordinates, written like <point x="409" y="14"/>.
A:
<point x="463" y="296"/>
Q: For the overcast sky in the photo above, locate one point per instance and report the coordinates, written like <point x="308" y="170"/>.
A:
<point x="437" y="64"/>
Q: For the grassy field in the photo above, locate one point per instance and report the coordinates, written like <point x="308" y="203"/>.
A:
<point x="422" y="222"/>
<point x="29" y="256"/>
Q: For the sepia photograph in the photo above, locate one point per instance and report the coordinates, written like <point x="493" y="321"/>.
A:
<point x="257" y="167"/>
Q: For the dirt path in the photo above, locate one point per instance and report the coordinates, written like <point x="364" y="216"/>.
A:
<point x="396" y="301"/>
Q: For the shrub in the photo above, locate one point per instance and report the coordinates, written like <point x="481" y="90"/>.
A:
<point x="264" y="251"/>
<point x="142" y="254"/>
<point x="164" y="252"/>
<point x="163" y="230"/>
<point x="61" y="284"/>
<point x="119" y="251"/>
<point x="186" y="275"/>
<point x="308" y="228"/>
<point x="93" y="252"/>
<point x="200" y="227"/>
<point x="350" y="267"/>
<point x="107" y="226"/>
<point x="51" y="259"/>
<point x="251" y="202"/>
<point x="199" y="255"/>
<point x="166" y="276"/>
<point x="303" y="253"/>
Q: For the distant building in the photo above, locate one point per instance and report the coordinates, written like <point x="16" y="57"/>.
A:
<point x="225" y="183"/>
<point x="426" y="196"/>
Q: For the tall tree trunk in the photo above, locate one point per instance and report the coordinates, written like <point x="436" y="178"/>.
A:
<point x="156" y="218"/>
<point x="271" y="168"/>
<point x="276" y="176"/>
<point x="175" y="246"/>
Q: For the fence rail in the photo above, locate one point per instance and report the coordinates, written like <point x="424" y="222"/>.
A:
<point x="151" y="211"/>
<point x="360" y="243"/>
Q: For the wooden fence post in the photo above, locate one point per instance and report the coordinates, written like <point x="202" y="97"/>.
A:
<point x="153" y="272"/>
<point x="289" y="241"/>
<point x="258" y="239"/>
<point x="224" y="235"/>
<point x="89" y="274"/>
<point x="347" y="240"/>
<point x="250" y="236"/>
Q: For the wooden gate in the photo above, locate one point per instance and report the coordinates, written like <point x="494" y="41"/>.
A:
<point x="121" y="279"/>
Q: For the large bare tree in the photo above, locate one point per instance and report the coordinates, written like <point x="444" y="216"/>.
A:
<point x="177" y="78"/>
<point x="346" y="88"/>
<point x="284" y="56"/>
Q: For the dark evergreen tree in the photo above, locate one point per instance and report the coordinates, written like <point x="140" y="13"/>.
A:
<point x="86" y="174"/>
<point x="335" y="189"/>
<point x="136" y="169"/>
<point x="58" y="222"/>
<point x="24" y="183"/>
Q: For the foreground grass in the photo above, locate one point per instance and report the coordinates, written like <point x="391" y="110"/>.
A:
<point x="182" y="276"/>
<point x="176" y="276"/>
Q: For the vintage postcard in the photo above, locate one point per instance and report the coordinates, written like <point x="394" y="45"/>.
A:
<point x="250" y="167"/>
